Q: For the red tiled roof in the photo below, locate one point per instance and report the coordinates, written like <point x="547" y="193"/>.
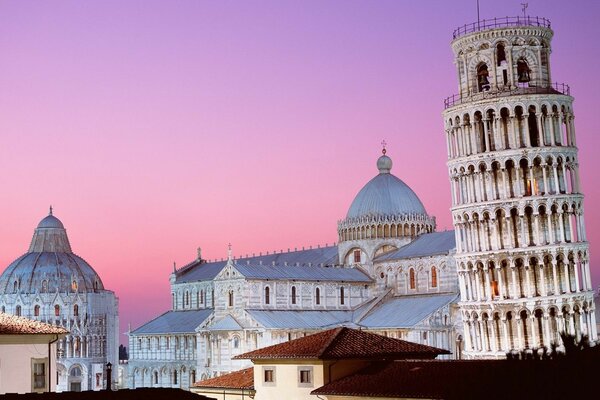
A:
<point x="345" y="343"/>
<point x="243" y="379"/>
<point x="14" y="325"/>
<point x="466" y="379"/>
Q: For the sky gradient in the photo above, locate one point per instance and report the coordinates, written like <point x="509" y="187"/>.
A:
<point x="156" y="127"/>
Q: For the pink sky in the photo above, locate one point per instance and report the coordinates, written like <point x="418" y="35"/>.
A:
<point x="157" y="127"/>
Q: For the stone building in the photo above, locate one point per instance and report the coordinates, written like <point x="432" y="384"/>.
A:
<point x="512" y="275"/>
<point x="517" y="203"/>
<point x="51" y="284"/>
<point x="391" y="273"/>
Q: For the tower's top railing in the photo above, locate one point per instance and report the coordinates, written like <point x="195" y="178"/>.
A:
<point x="500" y="23"/>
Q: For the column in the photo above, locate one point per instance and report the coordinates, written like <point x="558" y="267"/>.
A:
<point x="520" y="343"/>
<point x="545" y="177"/>
<point x="576" y="270"/>
<point x="556" y="185"/>
<point x="534" y="332"/>
<point x="567" y="279"/>
<point x="488" y="290"/>
<point x="494" y="341"/>
<point x="506" y="343"/>
<point x="543" y="291"/>
<point x="514" y="281"/>
<point x="501" y="289"/>
<point x="529" y="288"/>
<point x="538" y="118"/>
<point x="478" y="285"/>
<point x="547" y="335"/>
<point x="537" y="236"/>
<point x="561" y="225"/>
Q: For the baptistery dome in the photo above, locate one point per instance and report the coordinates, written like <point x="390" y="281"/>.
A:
<point x="49" y="265"/>
<point x="51" y="284"/>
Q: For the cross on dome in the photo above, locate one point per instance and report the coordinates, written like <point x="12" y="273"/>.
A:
<point x="383" y="144"/>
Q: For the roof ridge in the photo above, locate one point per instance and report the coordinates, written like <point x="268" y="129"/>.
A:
<point x="330" y="342"/>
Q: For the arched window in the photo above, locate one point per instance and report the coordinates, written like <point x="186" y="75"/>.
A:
<point x="57" y="310"/>
<point x="342" y="296"/>
<point x="15" y="286"/>
<point x="187" y="298"/>
<point x="76" y="310"/>
<point x="317" y="296"/>
<point x="74" y="286"/>
<point x="174" y="297"/>
<point x="483" y="84"/>
<point x="44" y="286"/>
<point x="434" y="282"/>
<point x="18" y="310"/>
<point x="293" y="294"/>
<point x="413" y="283"/>
<point x="267" y="295"/>
<point x="202" y="297"/>
<point x="500" y="54"/>
<point x="236" y="342"/>
<point x="231" y="298"/>
<point x="156" y="377"/>
<point x="523" y="71"/>
<point x="175" y="377"/>
<point x="357" y="256"/>
<point x="193" y="375"/>
<point x="36" y="310"/>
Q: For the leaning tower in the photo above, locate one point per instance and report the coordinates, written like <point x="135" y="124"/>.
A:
<point x="517" y="204"/>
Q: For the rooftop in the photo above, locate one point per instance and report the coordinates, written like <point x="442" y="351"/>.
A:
<point x="345" y="343"/>
<point x="243" y="379"/>
<point x="460" y="379"/>
<point x="14" y="325"/>
<point x="428" y="244"/>
<point x="175" y="322"/>
<point x="501" y="22"/>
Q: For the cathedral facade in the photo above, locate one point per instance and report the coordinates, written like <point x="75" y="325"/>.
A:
<point x="391" y="273"/>
<point x="51" y="284"/>
<point x="512" y="275"/>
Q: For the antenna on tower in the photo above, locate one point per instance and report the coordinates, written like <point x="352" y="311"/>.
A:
<point x="524" y="8"/>
<point x="478" y="14"/>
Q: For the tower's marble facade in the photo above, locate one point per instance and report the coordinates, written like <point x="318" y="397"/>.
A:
<point x="517" y="203"/>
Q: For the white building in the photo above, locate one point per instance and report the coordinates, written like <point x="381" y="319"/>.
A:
<point x="519" y="241"/>
<point x="517" y="204"/>
<point x="27" y="355"/>
<point x="396" y="277"/>
<point x="50" y="283"/>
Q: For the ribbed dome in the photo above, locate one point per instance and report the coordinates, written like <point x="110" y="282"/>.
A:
<point x="384" y="195"/>
<point x="51" y="222"/>
<point x="49" y="265"/>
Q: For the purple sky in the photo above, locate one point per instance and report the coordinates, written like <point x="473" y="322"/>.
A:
<point x="155" y="127"/>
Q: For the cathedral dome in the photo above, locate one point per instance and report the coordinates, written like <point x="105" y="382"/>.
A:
<point x="385" y="195"/>
<point x="49" y="265"/>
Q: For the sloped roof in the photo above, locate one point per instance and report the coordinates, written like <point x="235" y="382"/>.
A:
<point x="242" y="379"/>
<point x="405" y="311"/>
<point x="428" y="244"/>
<point x="345" y="343"/>
<point x="468" y="379"/>
<point x="227" y="323"/>
<point x="300" y="319"/>
<point x="14" y="325"/>
<point x="302" y="273"/>
<point x="199" y="271"/>
<point x="175" y="322"/>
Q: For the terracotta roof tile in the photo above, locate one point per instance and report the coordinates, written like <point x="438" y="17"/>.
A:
<point x="345" y="343"/>
<point x="14" y="325"/>
<point x="465" y="379"/>
<point x="243" y="379"/>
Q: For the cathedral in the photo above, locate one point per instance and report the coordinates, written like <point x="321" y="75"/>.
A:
<point x="51" y="284"/>
<point x="512" y="275"/>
